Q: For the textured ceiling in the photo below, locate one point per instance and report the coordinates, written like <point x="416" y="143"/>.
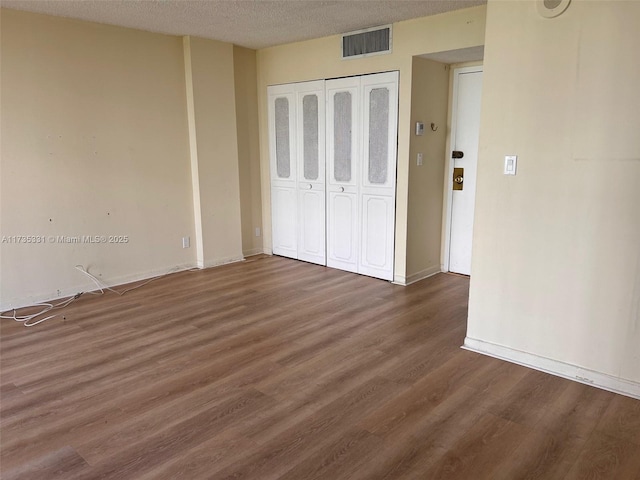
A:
<point x="249" y="23"/>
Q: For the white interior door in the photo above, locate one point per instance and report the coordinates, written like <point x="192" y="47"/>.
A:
<point x="467" y="90"/>
<point x="311" y="171"/>
<point x="378" y="174"/>
<point x="282" y="145"/>
<point x="343" y="150"/>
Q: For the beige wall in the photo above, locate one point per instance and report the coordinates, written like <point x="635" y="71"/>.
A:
<point x="214" y="119"/>
<point x="95" y="141"/>
<point x="556" y="257"/>
<point x="429" y="99"/>
<point x="244" y="63"/>
<point x="319" y="59"/>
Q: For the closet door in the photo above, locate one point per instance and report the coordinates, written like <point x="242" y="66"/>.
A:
<point x="379" y="102"/>
<point x="343" y="217"/>
<point x="343" y="120"/>
<point x="311" y="171"/>
<point x="282" y="150"/>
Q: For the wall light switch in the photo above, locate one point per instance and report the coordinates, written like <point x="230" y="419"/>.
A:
<point x="186" y="242"/>
<point x="510" y="164"/>
<point x="257" y="231"/>
<point x="420" y="159"/>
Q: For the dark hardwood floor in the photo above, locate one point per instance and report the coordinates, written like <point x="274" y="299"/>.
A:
<point x="273" y="368"/>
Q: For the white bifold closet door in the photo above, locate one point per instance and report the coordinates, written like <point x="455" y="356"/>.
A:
<point x="362" y="115"/>
<point x="297" y="151"/>
<point x="347" y="222"/>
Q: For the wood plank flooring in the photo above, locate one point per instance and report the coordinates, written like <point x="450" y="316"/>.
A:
<point x="277" y="369"/>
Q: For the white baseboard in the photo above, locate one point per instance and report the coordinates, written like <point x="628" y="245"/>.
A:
<point x="216" y="262"/>
<point x="426" y="273"/>
<point x="555" y="367"/>
<point x="415" y="277"/>
<point x="252" y="252"/>
<point x="87" y="286"/>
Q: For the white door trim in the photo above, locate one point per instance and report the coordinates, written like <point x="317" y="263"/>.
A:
<point x="448" y="181"/>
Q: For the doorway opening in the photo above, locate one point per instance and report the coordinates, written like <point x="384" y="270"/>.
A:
<point x="431" y="164"/>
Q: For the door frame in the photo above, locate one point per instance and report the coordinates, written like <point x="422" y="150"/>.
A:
<point x="448" y="182"/>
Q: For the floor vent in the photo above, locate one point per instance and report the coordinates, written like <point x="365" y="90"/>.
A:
<point x="370" y="41"/>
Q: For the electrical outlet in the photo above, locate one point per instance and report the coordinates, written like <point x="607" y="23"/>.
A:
<point x="420" y="158"/>
<point x="186" y="242"/>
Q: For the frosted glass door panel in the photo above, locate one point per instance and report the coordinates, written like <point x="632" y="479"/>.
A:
<point x="283" y="144"/>
<point x="343" y="158"/>
<point x="343" y="130"/>
<point x="378" y="135"/>
<point x="380" y="118"/>
<point x="378" y="179"/>
<point x="310" y="136"/>
<point x="342" y="142"/>
<point x="311" y="168"/>
<point x="283" y="168"/>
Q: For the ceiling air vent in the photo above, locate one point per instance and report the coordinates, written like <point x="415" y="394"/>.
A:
<point x="370" y="41"/>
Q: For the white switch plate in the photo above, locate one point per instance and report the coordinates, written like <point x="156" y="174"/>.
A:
<point x="420" y="159"/>
<point x="510" y="164"/>
<point x="186" y="242"/>
<point x="257" y="231"/>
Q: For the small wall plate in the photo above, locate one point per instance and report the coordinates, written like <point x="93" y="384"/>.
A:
<point x="552" y="8"/>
